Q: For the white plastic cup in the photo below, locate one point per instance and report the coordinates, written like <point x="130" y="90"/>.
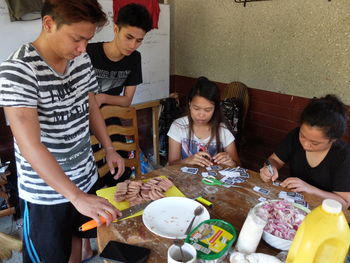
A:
<point x="174" y="254"/>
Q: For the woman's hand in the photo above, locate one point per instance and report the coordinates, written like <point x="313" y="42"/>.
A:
<point x="266" y="176"/>
<point x="297" y="185"/>
<point x="202" y="159"/>
<point x="225" y="159"/>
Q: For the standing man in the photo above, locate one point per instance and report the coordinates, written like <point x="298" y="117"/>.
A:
<point x="46" y="89"/>
<point x="118" y="65"/>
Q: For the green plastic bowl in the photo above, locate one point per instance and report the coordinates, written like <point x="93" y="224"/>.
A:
<point x="203" y="252"/>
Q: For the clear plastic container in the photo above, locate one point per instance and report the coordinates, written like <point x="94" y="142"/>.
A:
<point x="251" y="232"/>
<point x="322" y="237"/>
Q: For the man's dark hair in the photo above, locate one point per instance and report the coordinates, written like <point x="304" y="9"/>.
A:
<point x="134" y="15"/>
<point x="327" y="113"/>
<point x="66" y="12"/>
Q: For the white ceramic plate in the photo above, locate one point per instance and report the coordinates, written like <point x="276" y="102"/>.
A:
<point x="169" y="217"/>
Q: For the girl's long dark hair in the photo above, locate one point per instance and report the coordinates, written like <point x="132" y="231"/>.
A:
<point x="210" y="91"/>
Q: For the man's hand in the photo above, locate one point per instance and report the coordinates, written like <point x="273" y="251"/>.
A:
<point x="114" y="159"/>
<point x="94" y="207"/>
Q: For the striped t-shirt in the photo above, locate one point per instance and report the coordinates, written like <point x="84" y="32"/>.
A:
<point x="62" y="102"/>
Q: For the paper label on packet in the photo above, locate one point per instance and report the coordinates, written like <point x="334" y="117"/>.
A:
<point x="296" y="201"/>
<point x="291" y="195"/>
<point x="261" y="190"/>
<point x="210" y="173"/>
<point x="213" y="167"/>
<point x="276" y="183"/>
<point x="189" y="170"/>
<point x="262" y="199"/>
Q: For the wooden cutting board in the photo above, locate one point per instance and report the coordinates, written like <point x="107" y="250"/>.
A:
<point x="109" y="192"/>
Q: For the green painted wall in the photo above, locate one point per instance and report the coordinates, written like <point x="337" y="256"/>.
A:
<point x="297" y="47"/>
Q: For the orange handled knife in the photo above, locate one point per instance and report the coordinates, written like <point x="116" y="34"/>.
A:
<point x="125" y="213"/>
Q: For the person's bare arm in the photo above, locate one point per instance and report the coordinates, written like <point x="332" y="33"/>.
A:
<point x="25" y="128"/>
<point x="124" y="100"/>
<point x="297" y="185"/>
<point x="98" y="128"/>
<point x="174" y="152"/>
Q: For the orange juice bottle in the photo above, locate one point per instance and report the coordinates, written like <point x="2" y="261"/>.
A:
<point x="322" y="237"/>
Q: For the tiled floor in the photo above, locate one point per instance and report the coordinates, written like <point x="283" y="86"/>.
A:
<point x="14" y="228"/>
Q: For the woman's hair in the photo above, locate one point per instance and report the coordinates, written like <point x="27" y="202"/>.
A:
<point x="327" y="113"/>
<point x="66" y="12"/>
<point x="134" y="15"/>
<point x="210" y="91"/>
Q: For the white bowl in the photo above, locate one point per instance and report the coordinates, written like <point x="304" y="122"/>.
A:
<point x="276" y="242"/>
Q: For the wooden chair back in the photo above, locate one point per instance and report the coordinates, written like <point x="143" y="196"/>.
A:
<point x="124" y="113"/>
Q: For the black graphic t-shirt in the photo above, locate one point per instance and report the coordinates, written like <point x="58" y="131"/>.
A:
<point x="332" y="174"/>
<point x="114" y="76"/>
<point x="62" y="103"/>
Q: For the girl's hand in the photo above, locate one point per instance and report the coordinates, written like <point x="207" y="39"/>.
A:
<point x="266" y="176"/>
<point x="297" y="185"/>
<point x="224" y="158"/>
<point x="200" y="158"/>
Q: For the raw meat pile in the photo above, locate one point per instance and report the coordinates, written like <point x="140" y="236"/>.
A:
<point x="137" y="191"/>
<point x="283" y="219"/>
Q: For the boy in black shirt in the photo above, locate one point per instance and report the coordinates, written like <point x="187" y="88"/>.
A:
<point x="117" y="65"/>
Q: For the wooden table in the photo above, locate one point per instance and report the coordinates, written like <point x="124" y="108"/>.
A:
<point x="229" y="204"/>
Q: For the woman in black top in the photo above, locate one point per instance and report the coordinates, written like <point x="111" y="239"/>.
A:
<point x="319" y="161"/>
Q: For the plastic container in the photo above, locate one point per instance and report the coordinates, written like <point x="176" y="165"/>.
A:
<point x="251" y="232"/>
<point x="322" y="237"/>
<point x="212" y="239"/>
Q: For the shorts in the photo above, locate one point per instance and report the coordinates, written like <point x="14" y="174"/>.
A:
<point x="51" y="228"/>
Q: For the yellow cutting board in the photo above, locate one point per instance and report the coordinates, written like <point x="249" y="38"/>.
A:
<point x="109" y="192"/>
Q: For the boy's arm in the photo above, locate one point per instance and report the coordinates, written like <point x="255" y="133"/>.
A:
<point x="124" y="100"/>
<point x="25" y="128"/>
<point x="98" y="128"/>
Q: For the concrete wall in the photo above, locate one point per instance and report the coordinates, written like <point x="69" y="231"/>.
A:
<point x="296" y="47"/>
